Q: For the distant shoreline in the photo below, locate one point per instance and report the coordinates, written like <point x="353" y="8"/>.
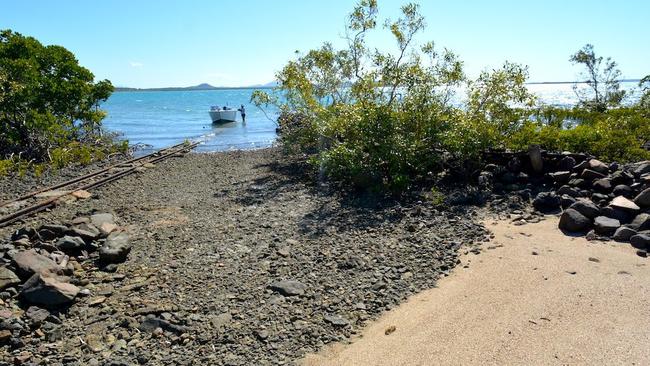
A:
<point x="205" y="87"/>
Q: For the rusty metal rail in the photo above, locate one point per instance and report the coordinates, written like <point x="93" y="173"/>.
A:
<point x="88" y="181"/>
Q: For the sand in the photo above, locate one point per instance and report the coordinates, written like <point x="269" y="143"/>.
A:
<point x="533" y="296"/>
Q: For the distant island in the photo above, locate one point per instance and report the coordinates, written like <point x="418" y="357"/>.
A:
<point x="200" y="87"/>
<point x="577" y="82"/>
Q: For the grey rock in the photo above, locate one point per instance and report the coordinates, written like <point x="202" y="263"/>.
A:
<point x="7" y="278"/>
<point x="624" y="204"/>
<point x="56" y="228"/>
<point x="586" y="208"/>
<point x="641" y="222"/>
<point x="643" y="198"/>
<point x="598" y="166"/>
<point x="102" y="218"/>
<point x="37" y="315"/>
<point x="623" y="234"/>
<point x="70" y="243"/>
<point x="29" y="262"/>
<point x="605" y="225"/>
<point x="115" y="249"/>
<point x="336" y="320"/>
<point x="289" y="287"/>
<point x="590" y="175"/>
<point x="48" y="290"/>
<point x="573" y="221"/>
<point x="640" y="241"/>
<point x="87" y="231"/>
<point x="577" y="182"/>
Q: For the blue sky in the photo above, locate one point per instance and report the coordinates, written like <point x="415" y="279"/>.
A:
<point x="146" y="43"/>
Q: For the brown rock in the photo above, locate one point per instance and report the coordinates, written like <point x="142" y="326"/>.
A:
<point x="81" y="194"/>
<point x="7" y="278"/>
<point x="48" y="290"/>
<point x="29" y="262"/>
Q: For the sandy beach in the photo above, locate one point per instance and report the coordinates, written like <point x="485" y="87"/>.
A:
<point x="535" y="296"/>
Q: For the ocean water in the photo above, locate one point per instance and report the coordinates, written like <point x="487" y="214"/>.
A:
<point x="157" y="119"/>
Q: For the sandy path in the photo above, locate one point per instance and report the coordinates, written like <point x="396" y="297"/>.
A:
<point x="540" y="298"/>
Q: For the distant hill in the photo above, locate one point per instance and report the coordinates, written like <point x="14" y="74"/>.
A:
<point x="203" y="86"/>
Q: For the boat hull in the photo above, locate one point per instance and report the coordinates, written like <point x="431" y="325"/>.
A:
<point x="223" y="116"/>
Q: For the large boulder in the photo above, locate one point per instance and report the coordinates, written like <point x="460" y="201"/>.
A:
<point x="115" y="249"/>
<point x="586" y="208"/>
<point x="615" y="213"/>
<point x="573" y="221"/>
<point x="643" y="198"/>
<point x="560" y="177"/>
<point x="623" y="190"/>
<point x="624" y="204"/>
<point x="29" y="262"/>
<point x="606" y="226"/>
<point x="640" y="241"/>
<point x="569" y="191"/>
<point x="623" y="233"/>
<point x="48" y="290"/>
<point x="547" y="202"/>
<point x="7" y="278"/>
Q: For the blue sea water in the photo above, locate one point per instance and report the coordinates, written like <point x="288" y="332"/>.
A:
<point x="159" y="119"/>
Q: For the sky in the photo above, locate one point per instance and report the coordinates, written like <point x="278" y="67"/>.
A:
<point x="159" y="43"/>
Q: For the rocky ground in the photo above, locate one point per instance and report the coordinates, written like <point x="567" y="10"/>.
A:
<point x="231" y="258"/>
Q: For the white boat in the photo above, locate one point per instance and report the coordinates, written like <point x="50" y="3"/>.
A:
<point x="219" y="115"/>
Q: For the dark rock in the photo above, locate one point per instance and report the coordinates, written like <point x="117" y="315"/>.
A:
<point x="115" y="249"/>
<point x="640" y="241"/>
<point x="573" y="221"/>
<point x="581" y="166"/>
<point x="289" y="287"/>
<point x="547" y="202"/>
<point x="642" y="253"/>
<point x="643" y="198"/>
<point x="614" y="213"/>
<point x="590" y="175"/>
<point x="603" y="185"/>
<point x="151" y="323"/>
<point x="598" y="166"/>
<point x="566" y="201"/>
<point x="48" y="290"/>
<point x="569" y="191"/>
<point x="605" y="225"/>
<point x="623" y="234"/>
<point x="70" y="243"/>
<point x="586" y="208"/>
<point x="567" y="163"/>
<point x="621" y="177"/>
<point x="514" y="165"/>
<point x="508" y="178"/>
<point x="29" y="262"/>
<point x="642" y="168"/>
<point x="613" y="167"/>
<point x="624" y="204"/>
<point x="623" y="190"/>
<point x="57" y="229"/>
<point x="599" y="198"/>
<point x="560" y="177"/>
<point x="577" y="182"/>
<point x="47" y="235"/>
<point x="8" y="278"/>
<point x="641" y="222"/>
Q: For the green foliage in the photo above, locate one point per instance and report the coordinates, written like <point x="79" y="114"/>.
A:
<point x="602" y="80"/>
<point x="385" y="119"/>
<point x="47" y="101"/>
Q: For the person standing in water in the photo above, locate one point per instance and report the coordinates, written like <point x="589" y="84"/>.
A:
<point x="243" y="113"/>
